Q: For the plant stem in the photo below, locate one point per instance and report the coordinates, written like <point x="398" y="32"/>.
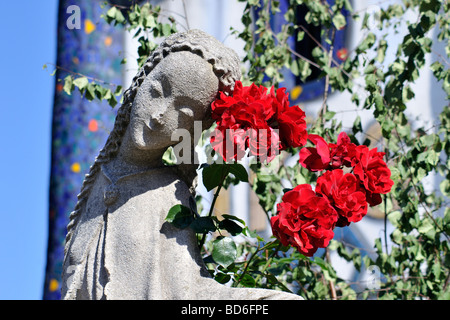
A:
<point x="331" y="283"/>
<point x="269" y="261"/>
<point x="385" y="225"/>
<point x="185" y="15"/>
<point x="213" y="203"/>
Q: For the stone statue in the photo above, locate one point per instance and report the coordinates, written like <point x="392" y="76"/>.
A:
<point x="118" y="245"/>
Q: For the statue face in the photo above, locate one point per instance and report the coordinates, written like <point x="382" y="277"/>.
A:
<point x="177" y="92"/>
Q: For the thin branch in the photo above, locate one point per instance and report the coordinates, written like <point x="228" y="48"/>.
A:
<point x="327" y="77"/>
<point x="330" y="282"/>
<point x="185" y="14"/>
<point x="82" y="75"/>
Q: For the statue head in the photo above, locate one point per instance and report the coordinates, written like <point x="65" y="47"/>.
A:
<point x="174" y="88"/>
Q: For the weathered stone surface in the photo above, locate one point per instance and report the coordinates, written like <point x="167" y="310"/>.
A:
<point x="118" y="245"/>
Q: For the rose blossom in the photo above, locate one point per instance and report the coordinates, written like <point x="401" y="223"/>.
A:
<point x="290" y="120"/>
<point x="327" y="155"/>
<point x="261" y="121"/>
<point x="345" y="194"/>
<point x="372" y="171"/>
<point x="304" y="220"/>
<point x="318" y="158"/>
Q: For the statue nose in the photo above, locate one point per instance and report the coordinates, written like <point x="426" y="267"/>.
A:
<point x="156" y="119"/>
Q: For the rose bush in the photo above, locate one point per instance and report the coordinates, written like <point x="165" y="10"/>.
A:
<point x="348" y="194"/>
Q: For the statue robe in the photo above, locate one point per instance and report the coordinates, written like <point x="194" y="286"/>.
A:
<point x="125" y="250"/>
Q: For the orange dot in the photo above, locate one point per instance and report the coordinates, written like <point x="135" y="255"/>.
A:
<point x="89" y="27"/>
<point x="75" y="167"/>
<point x="93" y="125"/>
<point x="76" y="60"/>
<point x="108" y="41"/>
<point x="296" y="92"/>
<point x="53" y="285"/>
<point x="59" y="87"/>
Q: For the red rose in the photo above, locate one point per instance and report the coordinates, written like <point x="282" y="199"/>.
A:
<point x="345" y="194"/>
<point x="373" y="173"/>
<point x="304" y="220"/>
<point x="261" y="121"/>
<point x="290" y="120"/>
<point x="318" y="158"/>
<point x="230" y="143"/>
<point x="327" y="155"/>
<point x="342" y="152"/>
<point x="264" y="144"/>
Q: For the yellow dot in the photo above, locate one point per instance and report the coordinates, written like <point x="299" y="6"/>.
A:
<point x="76" y="167"/>
<point x="296" y="92"/>
<point x="108" y="41"/>
<point x="89" y="27"/>
<point x="53" y="286"/>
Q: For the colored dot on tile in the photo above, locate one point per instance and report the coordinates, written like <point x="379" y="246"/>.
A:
<point x="75" y="167"/>
<point x="59" y="87"/>
<point x="342" y="54"/>
<point x="93" y="125"/>
<point x="76" y="60"/>
<point x="53" y="286"/>
<point x="296" y="92"/>
<point x="108" y="41"/>
<point x="89" y="27"/>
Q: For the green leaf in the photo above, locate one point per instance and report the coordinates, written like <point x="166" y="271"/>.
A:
<point x="118" y="90"/>
<point x="231" y="217"/>
<point x="339" y="21"/>
<point x="381" y="52"/>
<point x="357" y="127"/>
<point x="166" y="30"/>
<point x="428" y="140"/>
<point x="247" y="280"/>
<point x="180" y="216"/>
<point x="81" y="83"/>
<point x="329" y="115"/>
<point x="90" y="92"/>
<point x="224" y="251"/>
<point x="114" y="14"/>
<point x="394" y="217"/>
<point x="232" y="227"/>
<point x="68" y="85"/>
<point x="112" y="100"/>
<point x="397" y="236"/>
<point x="427" y="228"/>
<point x="239" y="171"/>
<point x="203" y="225"/>
<point x="214" y="174"/>
<point x="222" y="278"/>
<point x="433" y="157"/>
<point x="447" y="216"/>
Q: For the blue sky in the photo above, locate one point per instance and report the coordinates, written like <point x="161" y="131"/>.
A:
<point x="28" y="36"/>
